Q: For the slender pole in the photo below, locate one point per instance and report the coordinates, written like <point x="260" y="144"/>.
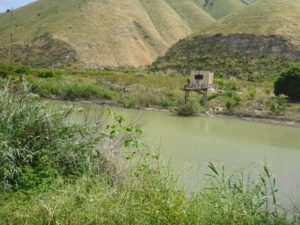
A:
<point x="11" y="36"/>
<point x="204" y="97"/>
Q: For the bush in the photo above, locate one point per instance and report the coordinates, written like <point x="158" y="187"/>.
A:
<point x="230" y="93"/>
<point x="6" y="70"/>
<point x="22" y="70"/>
<point x="289" y="84"/>
<point x="231" y="85"/>
<point x="256" y="77"/>
<point x="131" y="101"/>
<point x="37" y="144"/>
<point x="252" y="92"/>
<point x="231" y="103"/>
<point x="87" y="91"/>
<point x="189" y="108"/>
<point x="219" y="83"/>
<point x="49" y="73"/>
<point x="278" y="104"/>
<point x="232" y="100"/>
<point x="71" y="89"/>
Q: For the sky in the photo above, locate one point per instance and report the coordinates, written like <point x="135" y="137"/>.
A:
<point x="8" y="4"/>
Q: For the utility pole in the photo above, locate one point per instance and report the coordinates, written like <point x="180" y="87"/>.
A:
<point x="11" y="36"/>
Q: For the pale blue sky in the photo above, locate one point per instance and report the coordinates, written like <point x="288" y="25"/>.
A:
<point x="7" y="4"/>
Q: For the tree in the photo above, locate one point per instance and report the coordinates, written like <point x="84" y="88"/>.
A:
<point x="289" y="84"/>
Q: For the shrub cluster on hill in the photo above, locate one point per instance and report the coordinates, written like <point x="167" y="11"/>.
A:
<point x="289" y="84"/>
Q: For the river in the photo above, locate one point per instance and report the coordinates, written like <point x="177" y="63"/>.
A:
<point x="189" y="143"/>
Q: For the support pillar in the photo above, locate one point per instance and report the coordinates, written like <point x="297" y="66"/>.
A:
<point x="204" y="97"/>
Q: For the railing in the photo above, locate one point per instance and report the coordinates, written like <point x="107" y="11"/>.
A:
<point x="197" y="86"/>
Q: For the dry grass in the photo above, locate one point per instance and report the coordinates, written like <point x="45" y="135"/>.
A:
<point x="107" y="33"/>
<point x="266" y="17"/>
<point x="221" y="8"/>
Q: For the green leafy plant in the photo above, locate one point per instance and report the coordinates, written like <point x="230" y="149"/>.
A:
<point x="252" y="92"/>
<point x="232" y="100"/>
<point x="121" y="128"/>
<point x="191" y="107"/>
<point x="231" y="85"/>
<point x="231" y="198"/>
<point x="46" y="73"/>
<point x="6" y="70"/>
<point x="278" y="104"/>
<point x="37" y="143"/>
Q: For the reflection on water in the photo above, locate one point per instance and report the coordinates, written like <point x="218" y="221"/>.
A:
<point x="190" y="143"/>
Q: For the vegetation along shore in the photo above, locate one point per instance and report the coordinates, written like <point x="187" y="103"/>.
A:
<point x="141" y="89"/>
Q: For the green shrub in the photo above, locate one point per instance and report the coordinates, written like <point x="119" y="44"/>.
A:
<point x="131" y="101"/>
<point x="231" y="85"/>
<point x="232" y="101"/>
<point x="37" y="143"/>
<point x="230" y="93"/>
<point x="256" y="77"/>
<point x="46" y="73"/>
<point x="70" y="89"/>
<point x="278" y="104"/>
<point x="171" y="98"/>
<point x="220" y="83"/>
<point x="87" y="91"/>
<point x="22" y="70"/>
<point x="268" y="91"/>
<point x="289" y="84"/>
<point x="252" y="92"/>
<point x="189" y="108"/>
<point x="6" y="70"/>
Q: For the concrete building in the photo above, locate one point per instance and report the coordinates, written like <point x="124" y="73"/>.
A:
<point x="201" y="80"/>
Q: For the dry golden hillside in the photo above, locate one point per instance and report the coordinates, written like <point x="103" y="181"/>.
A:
<point x="266" y="17"/>
<point x="99" y="32"/>
<point x="259" y="40"/>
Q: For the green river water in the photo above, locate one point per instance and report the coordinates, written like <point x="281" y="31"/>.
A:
<point x="190" y="143"/>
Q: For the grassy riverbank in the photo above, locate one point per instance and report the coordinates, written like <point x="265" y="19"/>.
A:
<point x="54" y="171"/>
<point x="140" y="89"/>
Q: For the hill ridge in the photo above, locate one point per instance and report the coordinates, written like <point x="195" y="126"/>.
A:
<point x="263" y="38"/>
<point x="265" y="17"/>
<point x="103" y="32"/>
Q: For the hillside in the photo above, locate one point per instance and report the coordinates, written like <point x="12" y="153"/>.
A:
<point x="221" y="8"/>
<point x="93" y="33"/>
<point x="266" y="17"/>
<point x="261" y="39"/>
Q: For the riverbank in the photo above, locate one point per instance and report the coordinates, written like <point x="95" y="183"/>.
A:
<point x="267" y="119"/>
<point x="248" y="116"/>
<point x="157" y="91"/>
